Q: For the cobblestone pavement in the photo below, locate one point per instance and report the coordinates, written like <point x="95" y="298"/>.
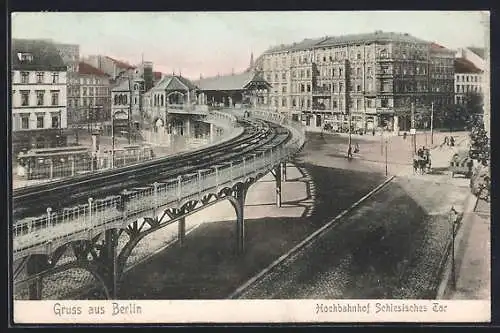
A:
<point x="391" y="247"/>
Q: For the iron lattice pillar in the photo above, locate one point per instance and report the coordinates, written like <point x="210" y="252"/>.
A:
<point x="108" y="258"/>
<point x="35" y="265"/>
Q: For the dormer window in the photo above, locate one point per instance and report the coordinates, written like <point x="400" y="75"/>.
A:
<point x="24" y="56"/>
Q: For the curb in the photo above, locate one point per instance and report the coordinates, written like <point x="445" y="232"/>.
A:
<point x="460" y="245"/>
<point x="309" y="240"/>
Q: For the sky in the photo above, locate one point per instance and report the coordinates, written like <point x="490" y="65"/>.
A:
<point x="211" y="43"/>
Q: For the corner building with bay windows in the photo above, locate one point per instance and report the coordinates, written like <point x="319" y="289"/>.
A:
<point x="375" y="78"/>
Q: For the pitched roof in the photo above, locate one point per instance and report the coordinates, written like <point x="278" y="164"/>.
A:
<point x="478" y="50"/>
<point x="230" y="82"/>
<point x="86" y="69"/>
<point x="377" y="36"/>
<point x="463" y="65"/>
<point x="121" y="64"/>
<point x="45" y="55"/>
<point x="174" y="82"/>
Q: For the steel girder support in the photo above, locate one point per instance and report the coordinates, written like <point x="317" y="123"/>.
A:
<point x="237" y="200"/>
<point x="283" y="171"/>
<point x="277" y="173"/>
<point x="35" y="265"/>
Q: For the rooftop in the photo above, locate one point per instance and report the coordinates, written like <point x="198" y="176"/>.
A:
<point x="174" y="82"/>
<point x="463" y="65"/>
<point x="230" y="82"/>
<point x="86" y="69"/>
<point x="478" y="51"/>
<point x="32" y="54"/>
<point x="121" y="64"/>
<point x="377" y="36"/>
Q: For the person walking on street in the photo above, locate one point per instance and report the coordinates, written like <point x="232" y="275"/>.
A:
<point x="349" y="152"/>
<point x="452" y="141"/>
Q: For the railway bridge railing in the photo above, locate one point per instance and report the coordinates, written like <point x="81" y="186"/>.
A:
<point x="96" y="225"/>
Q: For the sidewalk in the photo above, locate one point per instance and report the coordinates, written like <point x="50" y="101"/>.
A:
<point x="473" y="258"/>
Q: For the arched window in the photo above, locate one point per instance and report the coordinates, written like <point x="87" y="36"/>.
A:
<point x="162" y="100"/>
<point x="117" y="99"/>
<point x="125" y="100"/>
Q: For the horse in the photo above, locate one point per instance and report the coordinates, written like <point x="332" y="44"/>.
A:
<point x="421" y="165"/>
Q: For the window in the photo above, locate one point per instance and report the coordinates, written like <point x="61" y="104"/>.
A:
<point x="341" y="87"/>
<point x="369" y="71"/>
<point x="358" y="88"/>
<point x="359" y="56"/>
<point x="294" y="102"/>
<point x="358" y="71"/>
<point x="467" y="78"/>
<point x="301" y="73"/>
<point x="335" y="104"/>
<point x="25" y="97"/>
<point x="308" y="73"/>
<point x="25" y="77"/>
<point x="283" y="102"/>
<point x="84" y="102"/>
<point x="283" y="89"/>
<point x="368" y="103"/>
<point x="384" y="103"/>
<point x="340" y="71"/>
<point x="301" y="87"/>
<point x="276" y="77"/>
<point x="283" y="76"/>
<point x="333" y="71"/>
<point x="91" y="91"/>
<point x="39" y="121"/>
<point x="55" y="77"/>
<point x="458" y="88"/>
<point x="55" y="97"/>
<point x="84" y="91"/>
<point x="308" y="103"/>
<point x="39" y="77"/>
<point x="39" y="97"/>
<point x="55" y="121"/>
<point x="25" y="121"/>
<point x="308" y="88"/>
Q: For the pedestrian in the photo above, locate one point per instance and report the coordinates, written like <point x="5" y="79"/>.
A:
<point x="452" y="141"/>
<point x="446" y="140"/>
<point x="373" y="132"/>
<point x="356" y="148"/>
<point x="349" y="152"/>
<point x="404" y="136"/>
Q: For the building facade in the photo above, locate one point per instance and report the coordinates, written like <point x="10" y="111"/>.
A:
<point x="94" y="101"/>
<point x="70" y="54"/>
<point x="375" y="78"/>
<point x="39" y="86"/>
<point x="468" y="79"/>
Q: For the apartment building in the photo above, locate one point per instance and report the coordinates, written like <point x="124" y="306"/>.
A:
<point x="70" y="54"/>
<point x="94" y="101"/>
<point x="468" y="79"/>
<point x="376" y="78"/>
<point x="39" y="78"/>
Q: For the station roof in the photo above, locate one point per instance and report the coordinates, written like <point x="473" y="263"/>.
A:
<point x="32" y="54"/>
<point x="231" y="82"/>
<point x="463" y="65"/>
<point x="174" y="82"/>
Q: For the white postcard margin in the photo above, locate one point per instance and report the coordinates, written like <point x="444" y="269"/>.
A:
<point x="250" y="311"/>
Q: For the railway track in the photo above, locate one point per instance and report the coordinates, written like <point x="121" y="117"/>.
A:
<point x="258" y="136"/>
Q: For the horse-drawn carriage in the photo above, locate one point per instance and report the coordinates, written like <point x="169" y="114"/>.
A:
<point x="422" y="161"/>
<point x="461" y="164"/>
